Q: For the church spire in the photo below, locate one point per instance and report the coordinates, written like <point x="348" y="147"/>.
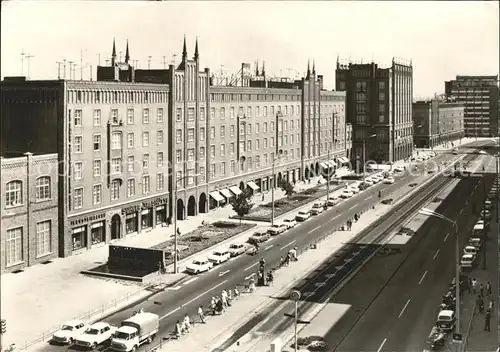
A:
<point x="264" y="68"/>
<point x="314" y="67"/>
<point x="257" y="68"/>
<point x="113" y="53"/>
<point x="196" y="53"/>
<point x="184" y="50"/>
<point x="127" y="54"/>
<point x="308" y="69"/>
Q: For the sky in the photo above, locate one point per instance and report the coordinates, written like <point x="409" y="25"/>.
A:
<point x="442" y="39"/>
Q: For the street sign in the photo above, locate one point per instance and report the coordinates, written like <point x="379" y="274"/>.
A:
<point x="457" y="338"/>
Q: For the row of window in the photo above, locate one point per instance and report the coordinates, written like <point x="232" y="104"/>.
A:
<point x="226" y="97"/>
<point x="117" y="165"/>
<point x="114" y="116"/>
<point x="115" y="97"/>
<point x="14" y="253"/>
<point x="14" y="191"/>
<point x="116" y="141"/>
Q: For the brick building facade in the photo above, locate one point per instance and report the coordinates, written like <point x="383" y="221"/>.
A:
<point x="29" y="208"/>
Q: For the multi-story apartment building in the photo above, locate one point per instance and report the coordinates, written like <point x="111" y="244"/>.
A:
<point x="29" y="208"/>
<point x="437" y="122"/>
<point x="379" y="105"/>
<point x="481" y="98"/>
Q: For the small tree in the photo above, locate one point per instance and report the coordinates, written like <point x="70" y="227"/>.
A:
<point x="241" y="204"/>
<point x="287" y="187"/>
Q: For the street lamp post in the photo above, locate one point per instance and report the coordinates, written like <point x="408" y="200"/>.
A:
<point x="273" y="186"/>
<point x="295" y="296"/>
<point x="364" y="155"/>
<point x="328" y="177"/>
<point x="429" y="212"/>
<point x="174" y="210"/>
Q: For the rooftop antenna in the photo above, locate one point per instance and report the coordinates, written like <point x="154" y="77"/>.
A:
<point x="59" y="63"/>
<point x="136" y="63"/>
<point x="289" y="70"/>
<point x="121" y="55"/>
<point x="164" y="62"/>
<point x="64" y="68"/>
<point x="22" y="62"/>
<point x="173" y="59"/>
<point x="71" y="63"/>
<point x="29" y="57"/>
<point x="81" y="65"/>
<point x="149" y="62"/>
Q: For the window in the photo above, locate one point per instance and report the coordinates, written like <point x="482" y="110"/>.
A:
<point x="231" y="148"/>
<point x="231" y="131"/>
<point x="77" y="146"/>
<point x="96" y="194"/>
<point x="265" y="111"/>
<point x="159" y="159"/>
<point x="212" y="113"/>
<point x="160" y="181"/>
<point x="159" y="137"/>
<point x="145" y="161"/>
<point x="257" y="111"/>
<point x="178" y="155"/>
<point x="159" y="115"/>
<point x="272" y="141"/>
<point x="190" y="135"/>
<point x="97" y="168"/>
<point x="212" y="132"/>
<point x="178" y="136"/>
<point x="145" y="116"/>
<point x="381" y="108"/>
<point x="233" y="166"/>
<point x="116" y="166"/>
<point x="178" y="178"/>
<point x="77" y="169"/>
<point x="240" y="111"/>
<point x="381" y="85"/>
<point x="116" y="141"/>
<point x="43" y="238"/>
<point x="231" y="112"/>
<point x="130" y="163"/>
<point x="145" y="139"/>
<point x="190" y="114"/>
<point x="178" y="115"/>
<point x="242" y="129"/>
<point x="202" y="153"/>
<point x="249" y="145"/>
<point x="222" y="149"/>
<point x="130" y="187"/>
<point x="257" y="128"/>
<point x="249" y="129"/>
<point x="97" y="117"/>
<point x="381" y="96"/>
<point x="14" y="246"/>
<point x="202" y="133"/>
<point x="115" y="190"/>
<point x="97" y="142"/>
<point x="257" y="144"/>
<point x="361" y="119"/>
<point x="265" y="143"/>
<point x="202" y="174"/>
<point x="212" y="170"/>
<point x="249" y="111"/>
<point x="242" y="146"/>
<point x="265" y="127"/>
<point x="222" y="131"/>
<point x="43" y="188"/>
<point x="130" y="140"/>
<point x="223" y="168"/>
<point x="190" y="154"/>
<point x="222" y="113"/>
<point x="272" y="111"/>
<point x="130" y="116"/>
<point x="78" y="200"/>
<point x="78" y="117"/>
<point x="146" y="184"/>
<point x="114" y="115"/>
<point x="212" y="151"/>
<point x="190" y="176"/>
<point x="202" y="114"/>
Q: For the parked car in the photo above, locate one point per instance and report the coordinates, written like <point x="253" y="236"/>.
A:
<point x="446" y="320"/>
<point x="135" y="331"/>
<point x="482" y="152"/>
<point x="219" y="256"/>
<point x="302" y="215"/>
<point x="488" y="204"/>
<point x="389" y="180"/>
<point x="486" y="214"/>
<point x="368" y="181"/>
<point x="346" y="193"/>
<point x="399" y="169"/>
<point x="259" y="237"/>
<point x="237" y="249"/>
<point x="467" y="261"/>
<point x="290" y="223"/>
<point x="332" y="201"/>
<point x="316" y="209"/>
<point x="69" y="332"/>
<point x="95" y="335"/>
<point x="476" y="242"/>
<point x="277" y="229"/>
<point x="455" y="151"/>
<point x="354" y="189"/>
<point x="199" y="266"/>
<point x="470" y="250"/>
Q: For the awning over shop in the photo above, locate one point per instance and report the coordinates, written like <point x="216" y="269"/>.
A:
<point x="216" y="195"/>
<point x="332" y="163"/>
<point x="324" y="165"/>
<point x="343" y="160"/>
<point x="226" y="193"/>
<point x="235" y="190"/>
<point x="253" y="185"/>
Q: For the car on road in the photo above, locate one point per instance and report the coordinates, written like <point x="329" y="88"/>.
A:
<point x="316" y="209"/>
<point x="389" y="180"/>
<point x="302" y="215"/>
<point x="476" y="242"/>
<point x="237" y="249"/>
<point x="139" y="329"/>
<point x="198" y="266"/>
<point x="69" y="332"/>
<point x="399" y="169"/>
<point x="486" y="214"/>
<point x="219" y="256"/>
<point x="290" y="223"/>
<point x="467" y="261"/>
<point x="277" y="229"/>
<point x="95" y="335"/>
<point x="368" y="181"/>
<point x="354" y="189"/>
<point x="482" y="152"/>
<point x="446" y="320"/>
<point x="455" y="151"/>
<point x="488" y="204"/>
<point x="332" y="200"/>
<point x="346" y="193"/>
<point x="470" y="250"/>
<point x="259" y="237"/>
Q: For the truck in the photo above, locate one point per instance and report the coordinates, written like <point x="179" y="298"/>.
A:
<point x="135" y="331"/>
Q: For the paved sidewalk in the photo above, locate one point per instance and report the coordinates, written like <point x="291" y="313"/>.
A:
<point x="60" y="282"/>
<point x="456" y="144"/>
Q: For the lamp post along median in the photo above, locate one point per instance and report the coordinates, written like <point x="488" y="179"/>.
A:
<point x="273" y="186"/>
<point x="328" y="177"/>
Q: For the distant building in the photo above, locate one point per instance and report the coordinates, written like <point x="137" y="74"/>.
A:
<point x="481" y="98"/>
<point x="379" y="102"/>
<point x="437" y="122"/>
<point x="29" y="208"/>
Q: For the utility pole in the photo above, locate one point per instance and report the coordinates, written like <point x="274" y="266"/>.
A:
<point x="22" y="62"/>
<point x="59" y="63"/>
<point x="149" y="62"/>
<point x="71" y="63"/>
<point x="29" y="57"/>
<point x="98" y="59"/>
<point x="164" y="62"/>
<point x="64" y="66"/>
<point x="173" y="59"/>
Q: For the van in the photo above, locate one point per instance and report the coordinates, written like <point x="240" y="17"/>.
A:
<point x="135" y="331"/>
<point x="446" y="320"/>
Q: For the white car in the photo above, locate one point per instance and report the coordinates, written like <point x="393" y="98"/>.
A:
<point x="277" y="229"/>
<point x="467" y="261"/>
<point x="399" y="169"/>
<point x="69" y="332"/>
<point x="316" y="209"/>
<point x="482" y="152"/>
<point x="354" y="189"/>
<point x="219" y="256"/>
<point x="302" y="215"/>
<point x="290" y="223"/>
<point x="470" y="250"/>
<point x="368" y="181"/>
<point x="375" y="179"/>
<point x="389" y="180"/>
<point x="95" y="335"/>
<point x="237" y="249"/>
<point x="199" y="266"/>
<point x="332" y="201"/>
<point x="346" y="193"/>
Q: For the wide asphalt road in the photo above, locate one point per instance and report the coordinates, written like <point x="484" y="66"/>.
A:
<point x="172" y="305"/>
<point x="395" y="298"/>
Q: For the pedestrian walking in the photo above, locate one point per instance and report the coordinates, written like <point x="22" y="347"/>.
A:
<point x="236" y="292"/>
<point x="474" y="285"/>
<point x="469" y="285"/>
<point x="229" y="297"/>
<point x="187" y="323"/>
<point x="282" y="261"/>
<point x="287" y="259"/>
<point x="219" y="306"/>
<point x="488" y="288"/>
<point x="481" y="290"/>
<point x="178" y="330"/>
<point x="213" y="305"/>
<point x="491" y="305"/>
<point x="487" y="319"/>
<point x="480" y="303"/>
<point x="201" y="315"/>
<point x="169" y="221"/>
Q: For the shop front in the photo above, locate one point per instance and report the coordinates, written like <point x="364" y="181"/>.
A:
<point x="131" y="223"/>
<point x="98" y="232"/>
<point x="79" y="237"/>
<point x="146" y="218"/>
<point x="87" y="230"/>
<point x="161" y="214"/>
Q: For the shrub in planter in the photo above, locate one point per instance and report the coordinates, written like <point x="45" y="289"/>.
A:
<point x="310" y="191"/>
<point x="225" y="225"/>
